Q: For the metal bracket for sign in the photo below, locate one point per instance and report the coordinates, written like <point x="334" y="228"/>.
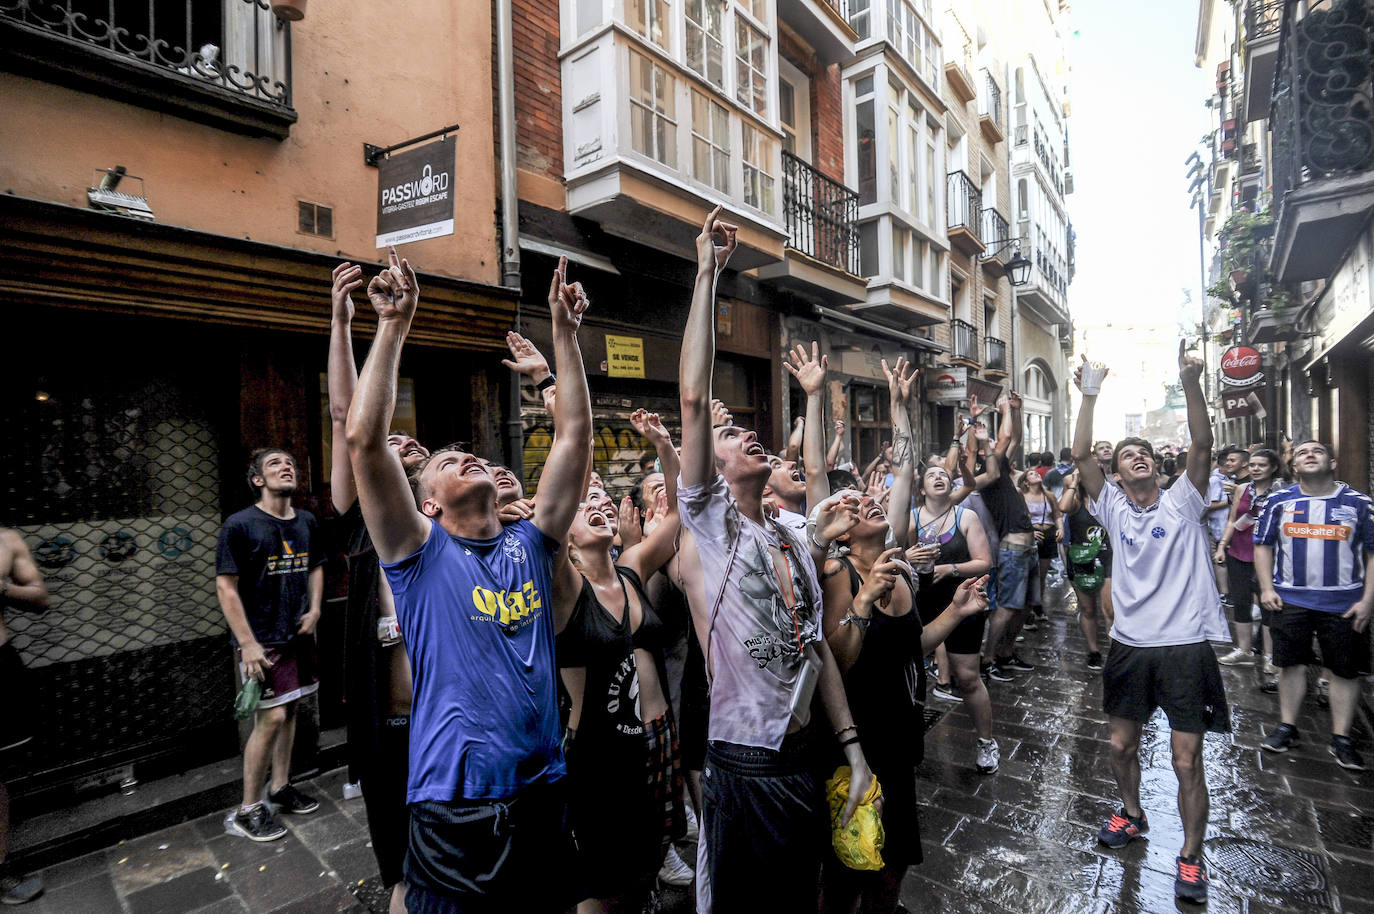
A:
<point x="374" y="154"/>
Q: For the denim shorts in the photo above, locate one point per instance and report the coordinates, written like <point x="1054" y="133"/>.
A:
<point x="1015" y="565"/>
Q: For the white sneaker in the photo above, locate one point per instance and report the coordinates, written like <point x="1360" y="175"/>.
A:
<point x="1237" y="657"/>
<point x="989" y="755"/>
<point x="1269" y="668"/>
<point x="675" y="870"/>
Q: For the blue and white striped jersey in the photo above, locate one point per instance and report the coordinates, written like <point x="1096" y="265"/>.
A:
<point x="1319" y="544"/>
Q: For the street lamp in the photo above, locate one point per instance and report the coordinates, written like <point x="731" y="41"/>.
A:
<point x="1018" y="269"/>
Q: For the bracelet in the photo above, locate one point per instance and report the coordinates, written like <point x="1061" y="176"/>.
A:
<point x="823" y="547"/>
<point x="843" y="730"/>
<point x="547" y="382"/>
<point x="852" y="617"/>
<point x="849" y="742"/>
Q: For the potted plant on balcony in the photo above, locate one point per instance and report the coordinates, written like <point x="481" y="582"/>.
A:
<point x="1240" y="236"/>
<point x="1270" y="323"/>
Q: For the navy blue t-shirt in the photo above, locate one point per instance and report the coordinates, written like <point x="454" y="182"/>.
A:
<point x="477" y="616"/>
<point x="272" y="559"/>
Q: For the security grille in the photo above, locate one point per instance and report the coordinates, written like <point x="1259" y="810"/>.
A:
<point x="115" y="486"/>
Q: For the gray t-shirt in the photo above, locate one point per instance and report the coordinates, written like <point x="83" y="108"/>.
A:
<point x="756" y="638"/>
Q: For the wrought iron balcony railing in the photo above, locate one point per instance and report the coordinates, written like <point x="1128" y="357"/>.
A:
<point x="995" y="234"/>
<point x="1320" y="116"/>
<point x="963" y="340"/>
<point x="1262" y="18"/>
<point x="822" y="215"/>
<point x="992" y="99"/>
<point x="996" y="354"/>
<point x="183" y="56"/>
<point x="964" y="202"/>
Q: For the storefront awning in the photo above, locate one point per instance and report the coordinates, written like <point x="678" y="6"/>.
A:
<point x="849" y="322"/>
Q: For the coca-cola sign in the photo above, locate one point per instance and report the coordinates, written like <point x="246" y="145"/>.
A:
<point x="1240" y="365"/>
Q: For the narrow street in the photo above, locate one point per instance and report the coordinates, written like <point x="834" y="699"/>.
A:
<point x="1023" y="840"/>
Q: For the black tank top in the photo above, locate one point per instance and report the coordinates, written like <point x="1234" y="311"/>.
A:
<point x="934" y="596"/>
<point x="886" y="685"/>
<point x="1081" y="522"/>
<point x="594" y="639"/>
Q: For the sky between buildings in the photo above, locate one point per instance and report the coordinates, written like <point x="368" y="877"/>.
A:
<point x="1137" y="114"/>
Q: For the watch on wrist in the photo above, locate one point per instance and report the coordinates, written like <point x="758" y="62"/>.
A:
<point x="954" y="571"/>
<point x="547" y="382"/>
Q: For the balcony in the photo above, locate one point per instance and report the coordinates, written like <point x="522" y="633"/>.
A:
<point x="821" y="215"/>
<point x="824" y="25"/>
<point x="1323" y="141"/>
<point x="230" y="69"/>
<point x="995" y="233"/>
<point x="959" y="62"/>
<point x="990" y="118"/>
<point x="996" y="361"/>
<point x="963" y="343"/>
<point x="1262" y="23"/>
<point x="647" y="150"/>
<point x="964" y="203"/>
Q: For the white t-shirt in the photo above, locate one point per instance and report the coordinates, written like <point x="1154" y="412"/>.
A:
<point x="1162" y="583"/>
<point x="1216" y="491"/>
<point x="792" y="521"/>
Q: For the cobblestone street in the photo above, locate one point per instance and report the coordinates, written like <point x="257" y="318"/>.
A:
<point x="1022" y="840"/>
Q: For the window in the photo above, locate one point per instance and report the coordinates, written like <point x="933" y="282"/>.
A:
<point x="758" y="169"/>
<point x="958" y="297"/>
<point x="710" y="142"/>
<point x="904" y="31"/>
<point x="935" y="176"/>
<point x="794" y="109"/>
<point x="914" y="119"/>
<point x="706" y="39"/>
<point x="588" y="15"/>
<point x="1037" y="385"/>
<point x="894" y="143"/>
<point x="868" y="248"/>
<point x="1022" y="201"/>
<point x="858" y="17"/>
<point x="932" y="60"/>
<point x="653" y="123"/>
<point x="919" y="252"/>
<point x="901" y="240"/>
<point x="787" y="115"/>
<point x="650" y="19"/>
<point x="751" y="67"/>
<point x="866" y="130"/>
<point x="314" y="219"/>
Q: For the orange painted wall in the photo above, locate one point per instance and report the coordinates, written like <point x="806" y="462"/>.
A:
<point x="357" y="77"/>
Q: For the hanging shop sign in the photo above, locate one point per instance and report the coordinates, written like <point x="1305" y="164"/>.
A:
<point x="1240" y="367"/>
<point x="946" y="385"/>
<point x="624" y="356"/>
<point x="415" y="193"/>
<point x="1236" y="404"/>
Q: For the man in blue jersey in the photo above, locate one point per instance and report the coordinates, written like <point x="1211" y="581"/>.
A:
<point x="1314" y="557"/>
<point x="476" y="605"/>
<point x="1167" y="610"/>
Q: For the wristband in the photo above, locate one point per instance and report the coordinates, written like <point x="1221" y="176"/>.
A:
<point x="846" y="729"/>
<point x="547" y="382"/>
<point x="817" y="543"/>
<point x="849" y="742"/>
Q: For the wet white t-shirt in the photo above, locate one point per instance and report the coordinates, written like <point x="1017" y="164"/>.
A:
<point x="1162" y="583"/>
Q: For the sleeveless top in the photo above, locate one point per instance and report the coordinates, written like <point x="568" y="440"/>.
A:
<point x="934" y="597"/>
<point x="1081" y="522"/>
<point x="1248" y="509"/>
<point x="886" y="686"/>
<point x="1040" y="511"/>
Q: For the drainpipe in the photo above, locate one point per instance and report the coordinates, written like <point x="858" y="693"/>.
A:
<point x="505" y="92"/>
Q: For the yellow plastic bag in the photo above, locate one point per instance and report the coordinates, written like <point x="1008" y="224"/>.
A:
<point x="858" y="845"/>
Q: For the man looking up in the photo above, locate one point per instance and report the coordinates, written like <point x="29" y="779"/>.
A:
<point x="785" y="486"/>
<point x="475" y="603"/>
<point x="1314" y="557"/>
<point x="1166" y="612"/>
<point x="269" y="578"/>
<point x="755" y="599"/>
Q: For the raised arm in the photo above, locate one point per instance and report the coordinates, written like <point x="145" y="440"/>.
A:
<point x="715" y="244"/>
<point x="343" y="378"/>
<point x="658" y="546"/>
<point x="563" y="480"/>
<point x="1088" y="376"/>
<point x="388" y="504"/>
<point x="899" y="381"/>
<point x="832" y="456"/>
<point x="810" y="370"/>
<point x="1199" y="423"/>
<point x="1009" y="431"/>
<point x="794" y="442"/>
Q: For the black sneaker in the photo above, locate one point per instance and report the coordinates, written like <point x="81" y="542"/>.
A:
<point x="1343" y="748"/>
<point x="20" y="889"/>
<point x="985" y="670"/>
<point x="1094" y="660"/>
<point x="1270" y="686"/>
<point x="998" y="672"/>
<point x="945" y="691"/>
<point x="1190" y="880"/>
<point x="1031" y="625"/>
<point x="257" y="824"/>
<point x="290" y="800"/>
<point x="1122" y="829"/>
<point x="1014" y="662"/>
<point x="1282" y="739"/>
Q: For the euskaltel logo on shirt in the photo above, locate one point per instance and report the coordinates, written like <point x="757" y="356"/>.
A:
<point x="1336" y="532"/>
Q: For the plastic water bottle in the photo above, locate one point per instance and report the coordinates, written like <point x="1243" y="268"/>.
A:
<point x="927" y="538"/>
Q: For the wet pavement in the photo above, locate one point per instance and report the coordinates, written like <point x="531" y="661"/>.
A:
<point x="1022" y="840"/>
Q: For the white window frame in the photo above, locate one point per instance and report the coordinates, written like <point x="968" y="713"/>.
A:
<point x="715" y="145"/>
<point x="657" y="71"/>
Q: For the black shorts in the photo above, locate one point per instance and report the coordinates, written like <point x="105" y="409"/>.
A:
<point x="384" y="796"/>
<point x="1345" y="652"/>
<point x="1242" y="586"/>
<point x="1183" y="679"/>
<point x="16" y="721"/>
<point x="764" y="824"/>
<point x="492" y="856"/>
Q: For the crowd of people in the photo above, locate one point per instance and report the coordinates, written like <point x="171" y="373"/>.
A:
<point x="511" y="707"/>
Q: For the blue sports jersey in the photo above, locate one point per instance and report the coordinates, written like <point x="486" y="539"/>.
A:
<point x="478" y="626"/>
<point x="1319" y="545"/>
